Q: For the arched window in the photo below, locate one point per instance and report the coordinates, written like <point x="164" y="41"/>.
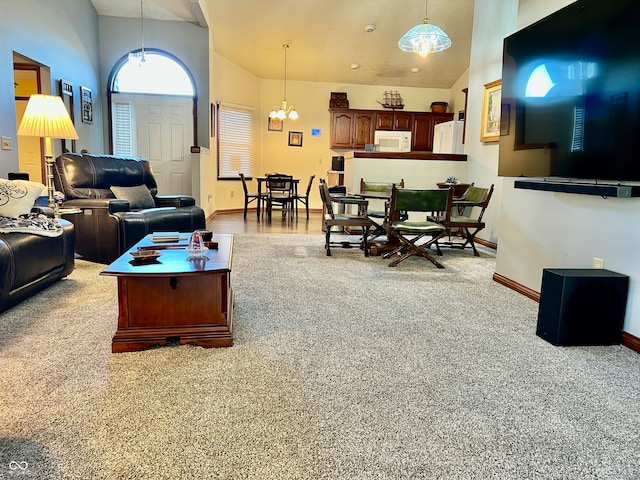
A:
<point x="159" y="74"/>
<point x="134" y="80"/>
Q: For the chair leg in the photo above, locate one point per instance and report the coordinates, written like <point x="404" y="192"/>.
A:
<point x="365" y="241"/>
<point x="245" y="208"/>
<point x="410" y="249"/>
<point x="327" y="243"/>
<point x="470" y="238"/>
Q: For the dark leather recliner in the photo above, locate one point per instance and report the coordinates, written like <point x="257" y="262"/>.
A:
<point x="107" y="227"/>
<point x="30" y="263"/>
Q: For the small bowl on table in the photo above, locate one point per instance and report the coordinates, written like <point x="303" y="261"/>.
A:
<point x="145" y="256"/>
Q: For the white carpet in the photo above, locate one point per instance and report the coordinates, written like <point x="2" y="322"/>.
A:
<point x="342" y="368"/>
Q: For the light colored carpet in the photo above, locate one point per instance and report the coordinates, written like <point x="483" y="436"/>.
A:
<point x="342" y="368"/>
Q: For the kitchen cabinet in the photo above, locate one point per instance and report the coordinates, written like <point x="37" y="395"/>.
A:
<point x="393" y="121"/>
<point x="353" y="129"/>
<point x="422" y="129"/>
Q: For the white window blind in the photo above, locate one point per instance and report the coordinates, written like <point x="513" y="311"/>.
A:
<point x="123" y="133"/>
<point x="236" y="143"/>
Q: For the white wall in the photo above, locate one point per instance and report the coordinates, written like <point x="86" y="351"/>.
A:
<point x="50" y="34"/>
<point x="537" y="230"/>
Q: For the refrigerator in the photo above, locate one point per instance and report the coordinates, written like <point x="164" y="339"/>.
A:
<point x="447" y="137"/>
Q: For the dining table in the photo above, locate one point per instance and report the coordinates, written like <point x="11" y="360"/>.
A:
<point x="261" y="180"/>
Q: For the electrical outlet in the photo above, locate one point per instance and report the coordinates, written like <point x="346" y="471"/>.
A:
<point x="598" y="263"/>
<point x="231" y="194"/>
<point x="6" y="143"/>
<point x="320" y="161"/>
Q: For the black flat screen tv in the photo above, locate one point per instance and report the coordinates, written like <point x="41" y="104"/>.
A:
<point x="571" y="94"/>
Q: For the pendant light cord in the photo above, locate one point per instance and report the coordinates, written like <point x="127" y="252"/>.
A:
<point x="142" y="26"/>
<point x="285" y="46"/>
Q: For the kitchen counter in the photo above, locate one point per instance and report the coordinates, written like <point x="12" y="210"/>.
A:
<point x="411" y="156"/>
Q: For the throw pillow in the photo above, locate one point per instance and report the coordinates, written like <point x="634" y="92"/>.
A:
<point x="138" y="196"/>
<point x="18" y="196"/>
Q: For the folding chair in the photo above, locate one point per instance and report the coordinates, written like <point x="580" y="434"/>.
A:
<point x="332" y="219"/>
<point x="406" y="232"/>
<point x="475" y="197"/>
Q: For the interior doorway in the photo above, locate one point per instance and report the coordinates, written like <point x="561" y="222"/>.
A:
<point x="27" y="80"/>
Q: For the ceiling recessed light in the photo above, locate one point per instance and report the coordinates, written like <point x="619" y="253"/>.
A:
<point x="415" y="70"/>
<point x="369" y="28"/>
<point x="355" y="66"/>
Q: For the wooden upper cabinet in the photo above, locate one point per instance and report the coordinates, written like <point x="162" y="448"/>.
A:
<point x="401" y="121"/>
<point x="393" y="121"/>
<point x="422" y="129"/>
<point x="341" y="129"/>
<point x="363" y="128"/>
<point x="422" y="132"/>
<point x="353" y="129"/>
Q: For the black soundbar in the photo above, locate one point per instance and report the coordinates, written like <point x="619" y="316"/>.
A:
<point x="600" y="189"/>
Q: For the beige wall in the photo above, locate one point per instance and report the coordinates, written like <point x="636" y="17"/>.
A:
<point x="230" y="83"/>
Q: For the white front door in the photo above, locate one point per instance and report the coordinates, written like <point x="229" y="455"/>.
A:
<point x="164" y="135"/>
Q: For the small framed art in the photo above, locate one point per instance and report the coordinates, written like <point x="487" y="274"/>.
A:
<point x="490" y="129"/>
<point x="275" y="124"/>
<point x="295" y="139"/>
<point x="87" y="105"/>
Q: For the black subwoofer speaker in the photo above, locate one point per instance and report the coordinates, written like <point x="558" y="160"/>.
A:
<point x="582" y="306"/>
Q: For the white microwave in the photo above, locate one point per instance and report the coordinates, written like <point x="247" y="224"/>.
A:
<point x="392" y="141"/>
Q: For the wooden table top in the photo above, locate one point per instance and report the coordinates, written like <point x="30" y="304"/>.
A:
<point x="175" y="261"/>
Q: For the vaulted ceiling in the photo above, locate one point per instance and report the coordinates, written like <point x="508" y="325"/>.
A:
<point x="326" y="37"/>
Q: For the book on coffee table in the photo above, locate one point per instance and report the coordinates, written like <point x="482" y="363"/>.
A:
<point x="165" y="236"/>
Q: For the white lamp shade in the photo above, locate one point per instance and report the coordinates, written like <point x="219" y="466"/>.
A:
<point x="46" y="116"/>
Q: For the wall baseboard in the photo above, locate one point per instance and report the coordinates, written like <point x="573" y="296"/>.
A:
<point x="628" y="340"/>
<point x="486" y="243"/>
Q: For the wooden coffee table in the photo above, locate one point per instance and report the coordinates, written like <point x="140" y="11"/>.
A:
<point x="175" y="299"/>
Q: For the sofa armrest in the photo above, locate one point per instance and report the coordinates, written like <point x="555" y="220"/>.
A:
<point x="47" y="211"/>
<point x="175" y="201"/>
<point x="112" y="205"/>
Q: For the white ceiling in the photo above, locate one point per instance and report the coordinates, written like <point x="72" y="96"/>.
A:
<point x="325" y="36"/>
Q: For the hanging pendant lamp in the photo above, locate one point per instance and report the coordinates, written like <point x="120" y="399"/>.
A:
<point x="425" y="38"/>
<point x="284" y="111"/>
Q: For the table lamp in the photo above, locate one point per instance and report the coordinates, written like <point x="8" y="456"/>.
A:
<point x="46" y="116"/>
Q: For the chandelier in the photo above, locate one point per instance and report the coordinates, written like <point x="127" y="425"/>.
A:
<point x="139" y="55"/>
<point x="283" y="110"/>
<point x="425" y="38"/>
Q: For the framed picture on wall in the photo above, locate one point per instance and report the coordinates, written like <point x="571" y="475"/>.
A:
<point x="275" y="124"/>
<point x="87" y="105"/>
<point x="295" y="139"/>
<point x="66" y="92"/>
<point x="490" y="129"/>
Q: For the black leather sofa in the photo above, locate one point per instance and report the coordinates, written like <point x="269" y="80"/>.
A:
<point x="30" y="263"/>
<point x="107" y="226"/>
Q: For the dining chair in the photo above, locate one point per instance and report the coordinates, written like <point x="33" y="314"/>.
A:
<point x="407" y="233"/>
<point x="280" y="191"/>
<point x="332" y="219"/>
<point x="304" y="198"/>
<point x="466" y="215"/>
<point x="250" y="197"/>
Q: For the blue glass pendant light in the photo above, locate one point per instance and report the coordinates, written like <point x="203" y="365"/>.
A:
<point x="425" y="38"/>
